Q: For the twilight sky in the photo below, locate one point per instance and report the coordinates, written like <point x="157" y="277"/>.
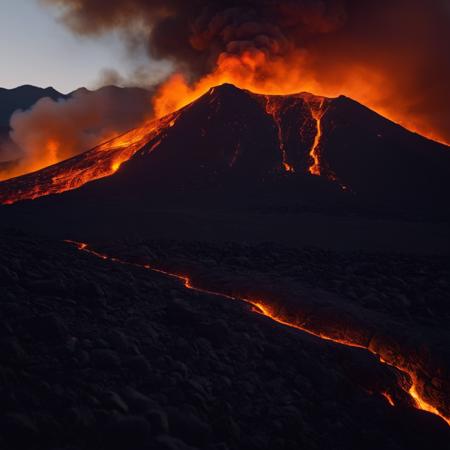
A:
<point x="36" y="49"/>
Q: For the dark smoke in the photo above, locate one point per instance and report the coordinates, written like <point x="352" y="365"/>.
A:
<point x="397" y="51"/>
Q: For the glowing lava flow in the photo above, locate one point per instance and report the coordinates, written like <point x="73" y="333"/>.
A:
<point x="100" y="162"/>
<point x="422" y="404"/>
<point x="318" y="110"/>
<point x="273" y="110"/>
<point x="260" y="308"/>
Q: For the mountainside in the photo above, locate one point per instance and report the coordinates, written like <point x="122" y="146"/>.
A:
<point x="230" y="138"/>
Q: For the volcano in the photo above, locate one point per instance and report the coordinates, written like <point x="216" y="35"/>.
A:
<point x="234" y="140"/>
<point x="244" y="254"/>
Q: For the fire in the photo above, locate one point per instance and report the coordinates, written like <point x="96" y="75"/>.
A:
<point x="259" y="307"/>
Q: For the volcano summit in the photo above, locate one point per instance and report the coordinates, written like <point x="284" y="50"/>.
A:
<point x="231" y="137"/>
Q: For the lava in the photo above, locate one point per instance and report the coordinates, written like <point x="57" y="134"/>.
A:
<point x="422" y="404"/>
<point x="389" y="399"/>
<point x="318" y="110"/>
<point x="100" y="162"/>
<point x="258" y="306"/>
<point x="257" y="73"/>
<point x="274" y="110"/>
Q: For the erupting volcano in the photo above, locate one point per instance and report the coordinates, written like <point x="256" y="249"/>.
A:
<point x="237" y="238"/>
<point x="233" y="135"/>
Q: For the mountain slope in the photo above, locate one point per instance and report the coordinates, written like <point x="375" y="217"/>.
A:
<point x="230" y="138"/>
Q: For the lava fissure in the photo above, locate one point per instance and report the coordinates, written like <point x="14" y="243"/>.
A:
<point x="318" y="109"/>
<point x="273" y="110"/>
<point x="259" y="307"/>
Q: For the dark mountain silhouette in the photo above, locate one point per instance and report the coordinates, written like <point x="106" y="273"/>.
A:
<point x="132" y="100"/>
<point x="287" y="147"/>
<point x="23" y="97"/>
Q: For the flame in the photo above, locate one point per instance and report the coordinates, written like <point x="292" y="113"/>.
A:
<point x="259" y="307"/>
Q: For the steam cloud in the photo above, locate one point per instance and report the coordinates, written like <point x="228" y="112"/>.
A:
<point x="52" y="131"/>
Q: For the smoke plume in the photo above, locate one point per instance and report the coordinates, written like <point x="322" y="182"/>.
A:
<point x="52" y="131"/>
<point x="390" y="54"/>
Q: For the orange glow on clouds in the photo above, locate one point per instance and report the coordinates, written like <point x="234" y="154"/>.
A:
<point x="257" y="73"/>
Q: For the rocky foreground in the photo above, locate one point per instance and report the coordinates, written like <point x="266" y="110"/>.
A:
<point x="99" y="355"/>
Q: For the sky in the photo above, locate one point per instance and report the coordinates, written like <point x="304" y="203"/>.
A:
<point x="36" y="49"/>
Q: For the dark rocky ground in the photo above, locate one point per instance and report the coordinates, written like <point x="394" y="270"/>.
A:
<point x="412" y="289"/>
<point x="394" y="304"/>
<point x="100" y="355"/>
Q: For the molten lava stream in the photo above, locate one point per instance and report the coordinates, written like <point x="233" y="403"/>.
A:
<point x="273" y="110"/>
<point x="260" y="308"/>
<point x="317" y="112"/>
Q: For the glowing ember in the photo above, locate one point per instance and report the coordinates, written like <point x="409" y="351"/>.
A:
<point x="388" y="398"/>
<point x="259" y="307"/>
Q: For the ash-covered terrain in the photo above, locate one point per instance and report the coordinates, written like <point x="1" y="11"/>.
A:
<point x="101" y="355"/>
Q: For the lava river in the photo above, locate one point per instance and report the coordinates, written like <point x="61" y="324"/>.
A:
<point x="263" y="308"/>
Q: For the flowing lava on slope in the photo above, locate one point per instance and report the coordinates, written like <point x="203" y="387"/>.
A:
<point x="259" y="307"/>
<point x="317" y="112"/>
<point x="100" y="162"/>
<point x="260" y="74"/>
<point x="273" y="110"/>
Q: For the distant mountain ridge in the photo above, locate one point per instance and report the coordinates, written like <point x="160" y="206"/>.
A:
<point x="23" y="97"/>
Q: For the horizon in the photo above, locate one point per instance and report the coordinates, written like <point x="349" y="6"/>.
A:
<point x="50" y="55"/>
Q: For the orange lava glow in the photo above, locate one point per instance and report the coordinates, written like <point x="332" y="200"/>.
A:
<point x="273" y="110"/>
<point x="388" y="398"/>
<point x="317" y="113"/>
<point x="423" y="405"/>
<point x="259" y="307"/>
<point x="100" y="162"/>
<point x="257" y="73"/>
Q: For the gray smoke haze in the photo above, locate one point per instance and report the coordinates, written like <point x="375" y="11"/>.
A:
<point x="52" y="131"/>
